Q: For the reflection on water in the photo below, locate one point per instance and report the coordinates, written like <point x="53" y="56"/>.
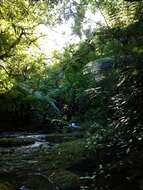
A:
<point x="24" y="188"/>
<point x="36" y="136"/>
<point x="40" y="139"/>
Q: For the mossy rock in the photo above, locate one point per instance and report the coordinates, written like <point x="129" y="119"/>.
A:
<point x="70" y="155"/>
<point x="59" y="138"/>
<point x="65" y="180"/>
<point x="37" y="182"/>
<point x="5" y="185"/>
<point x="13" y="141"/>
<point x="65" y="154"/>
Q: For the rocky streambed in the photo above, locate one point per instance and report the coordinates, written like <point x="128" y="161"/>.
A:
<point x="51" y="163"/>
<point x="26" y="162"/>
<point x="19" y="163"/>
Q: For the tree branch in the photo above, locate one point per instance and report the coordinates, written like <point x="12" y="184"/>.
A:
<point x="4" y="69"/>
<point x="13" y="45"/>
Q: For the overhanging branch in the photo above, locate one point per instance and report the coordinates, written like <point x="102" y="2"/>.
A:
<point x="13" y="45"/>
<point x="4" y="69"/>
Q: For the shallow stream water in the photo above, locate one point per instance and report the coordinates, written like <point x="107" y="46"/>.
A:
<point x="19" y="167"/>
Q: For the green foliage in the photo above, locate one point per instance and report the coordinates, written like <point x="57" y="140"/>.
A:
<point x="75" y="87"/>
<point x="19" y="20"/>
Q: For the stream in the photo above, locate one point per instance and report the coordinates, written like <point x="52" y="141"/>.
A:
<point x="21" y="167"/>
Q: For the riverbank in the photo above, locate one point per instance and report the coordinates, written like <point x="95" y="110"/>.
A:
<point x="74" y="165"/>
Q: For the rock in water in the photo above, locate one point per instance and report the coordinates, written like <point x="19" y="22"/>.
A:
<point x="23" y="188"/>
<point x="73" y="126"/>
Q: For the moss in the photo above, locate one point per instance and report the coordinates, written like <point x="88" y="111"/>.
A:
<point x="12" y="141"/>
<point x="69" y="155"/>
<point x="59" y="137"/>
<point x="65" y="180"/>
<point x="4" y="185"/>
<point x="67" y="161"/>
